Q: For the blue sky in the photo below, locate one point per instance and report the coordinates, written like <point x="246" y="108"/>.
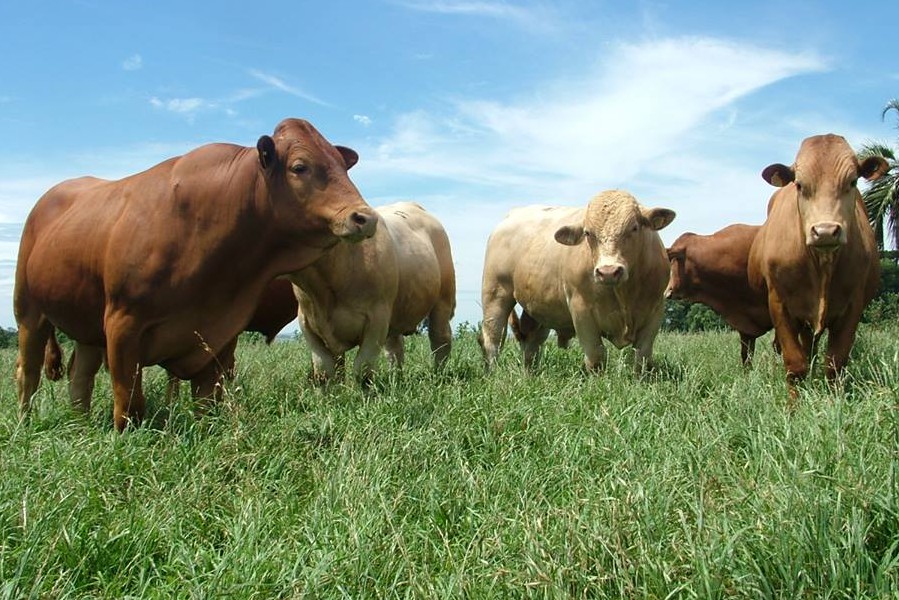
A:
<point x="468" y="107"/>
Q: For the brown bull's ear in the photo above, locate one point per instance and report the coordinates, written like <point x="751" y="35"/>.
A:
<point x="350" y="156"/>
<point x="873" y="167"/>
<point x="676" y="253"/>
<point x="570" y="235"/>
<point x="268" y="157"/>
<point x="658" y="218"/>
<point x="778" y="175"/>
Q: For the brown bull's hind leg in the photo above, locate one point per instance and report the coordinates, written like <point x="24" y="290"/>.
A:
<point x="125" y="370"/>
<point x="33" y="338"/>
<point x="83" y="367"/>
<point x="53" y="358"/>
<point x="747" y="349"/>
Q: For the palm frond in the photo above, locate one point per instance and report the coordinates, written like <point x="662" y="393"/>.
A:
<point x="891" y="105"/>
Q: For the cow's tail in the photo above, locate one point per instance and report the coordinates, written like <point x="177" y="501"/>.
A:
<point x="53" y="368"/>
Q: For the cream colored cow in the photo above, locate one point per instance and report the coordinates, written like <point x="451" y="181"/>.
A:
<point x="370" y="297"/>
<point x="598" y="271"/>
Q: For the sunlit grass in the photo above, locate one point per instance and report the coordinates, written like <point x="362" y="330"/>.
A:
<point x="695" y="480"/>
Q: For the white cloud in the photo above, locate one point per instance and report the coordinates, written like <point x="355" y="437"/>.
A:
<point x="657" y="118"/>
<point x="531" y="17"/>
<point x="279" y="84"/>
<point x="184" y="106"/>
<point x="133" y="63"/>
<point x="362" y="120"/>
<point x="604" y="128"/>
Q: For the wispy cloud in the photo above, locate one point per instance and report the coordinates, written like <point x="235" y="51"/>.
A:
<point x="656" y="118"/>
<point x="634" y="108"/>
<point x="363" y="120"/>
<point x="529" y="16"/>
<point x="183" y="105"/>
<point x="133" y="63"/>
<point x="279" y="84"/>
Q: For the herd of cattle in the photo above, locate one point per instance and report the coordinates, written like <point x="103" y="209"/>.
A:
<point x="169" y="265"/>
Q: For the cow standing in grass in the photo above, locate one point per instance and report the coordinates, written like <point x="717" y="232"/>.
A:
<point x="372" y="294"/>
<point x="713" y="269"/>
<point x="167" y="266"/>
<point x="599" y="271"/>
<point x="815" y="257"/>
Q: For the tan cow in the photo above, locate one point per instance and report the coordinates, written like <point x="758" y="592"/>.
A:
<point x="712" y="269"/>
<point x="815" y="256"/>
<point x="372" y="293"/>
<point x="598" y="271"/>
<point x="167" y="266"/>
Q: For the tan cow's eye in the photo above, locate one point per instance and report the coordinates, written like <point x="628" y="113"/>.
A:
<point x="798" y="187"/>
<point x="299" y="168"/>
<point x="853" y="183"/>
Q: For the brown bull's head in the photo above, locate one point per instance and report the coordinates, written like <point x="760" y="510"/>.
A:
<point x="616" y="228"/>
<point x="309" y="186"/>
<point x="679" y="282"/>
<point x="824" y="179"/>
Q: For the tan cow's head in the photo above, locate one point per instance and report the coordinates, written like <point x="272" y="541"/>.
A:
<point x="824" y="178"/>
<point x="616" y="229"/>
<point x="308" y="183"/>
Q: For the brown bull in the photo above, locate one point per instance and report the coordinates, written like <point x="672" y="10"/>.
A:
<point x="712" y="269"/>
<point x="167" y="266"/>
<point x="815" y="257"/>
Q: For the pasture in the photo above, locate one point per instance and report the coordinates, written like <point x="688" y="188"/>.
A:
<point x="697" y="481"/>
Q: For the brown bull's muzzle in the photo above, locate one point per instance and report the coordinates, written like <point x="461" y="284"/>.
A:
<point x="825" y="235"/>
<point x="356" y="225"/>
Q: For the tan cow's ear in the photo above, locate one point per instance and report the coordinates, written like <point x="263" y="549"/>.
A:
<point x="873" y="167"/>
<point x="778" y="175"/>
<point x="570" y="235"/>
<point x="658" y="218"/>
<point x="268" y="157"/>
<point x="350" y="156"/>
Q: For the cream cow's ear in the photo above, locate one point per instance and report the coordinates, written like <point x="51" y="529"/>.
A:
<point x="570" y="235"/>
<point x="778" y="175"/>
<point x="658" y="218"/>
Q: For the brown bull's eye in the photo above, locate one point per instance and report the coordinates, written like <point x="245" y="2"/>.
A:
<point x="299" y="168"/>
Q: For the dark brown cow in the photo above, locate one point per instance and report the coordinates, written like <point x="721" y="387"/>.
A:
<point x="815" y="256"/>
<point x="167" y="266"/>
<point x="277" y="308"/>
<point x="712" y="269"/>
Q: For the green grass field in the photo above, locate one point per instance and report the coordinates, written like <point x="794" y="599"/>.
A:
<point x="696" y="481"/>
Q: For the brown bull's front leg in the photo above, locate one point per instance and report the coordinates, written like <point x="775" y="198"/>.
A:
<point x="840" y="338"/>
<point x="788" y="335"/>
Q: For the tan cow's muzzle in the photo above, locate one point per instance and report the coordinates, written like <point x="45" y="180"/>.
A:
<point x="610" y="274"/>
<point x="357" y="225"/>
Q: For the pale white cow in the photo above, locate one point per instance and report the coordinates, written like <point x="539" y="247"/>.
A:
<point x="378" y="292"/>
<point x="598" y="271"/>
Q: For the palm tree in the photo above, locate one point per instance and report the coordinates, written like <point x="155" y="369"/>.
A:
<point x="882" y="196"/>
